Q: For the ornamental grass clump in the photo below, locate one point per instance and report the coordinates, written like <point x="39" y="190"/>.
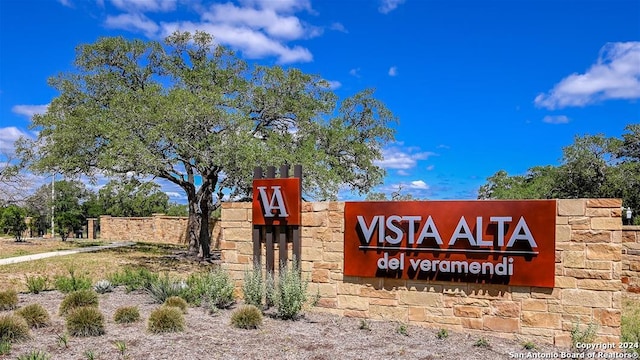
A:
<point x="126" y="314"/>
<point x="166" y="287"/>
<point x="8" y="299"/>
<point x="166" y="319"/>
<point x="247" y="317"/>
<point x="178" y="302"/>
<point x="78" y="299"/>
<point x="35" y="355"/>
<point x="13" y="328"/>
<point x="35" y="315"/>
<point x="85" y="321"/>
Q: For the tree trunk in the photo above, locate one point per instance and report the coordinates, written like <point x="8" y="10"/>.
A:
<point x="198" y="223"/>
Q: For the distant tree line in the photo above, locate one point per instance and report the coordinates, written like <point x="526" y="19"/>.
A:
<point x="73" y="203"/>
<point x="594" y="166"/>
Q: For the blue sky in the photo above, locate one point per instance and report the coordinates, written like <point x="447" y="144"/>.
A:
<point x="478" y="86"/>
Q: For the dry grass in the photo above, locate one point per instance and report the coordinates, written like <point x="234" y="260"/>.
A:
<point x="10" y="248"/>
<point x="96" y="265"/>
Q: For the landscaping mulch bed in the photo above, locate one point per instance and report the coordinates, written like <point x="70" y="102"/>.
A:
<point x="314" y="335"/>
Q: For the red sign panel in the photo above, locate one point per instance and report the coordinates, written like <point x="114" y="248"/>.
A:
<point x="503" y="242"/>
<point x="277" y="201"/>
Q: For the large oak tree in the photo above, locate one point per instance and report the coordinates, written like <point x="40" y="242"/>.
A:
<point x="193" y="113"/>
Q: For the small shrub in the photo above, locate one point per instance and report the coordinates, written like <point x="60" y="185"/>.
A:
<point x="403" y="330"/>
<point x="85" y="321"/>
<point x="13" y="328"/>
<point x="134" y="279"/>
<point x="253" y="287"/>
<point x="583" y="336"/>
<point x="35" y="315"/>
<point x="89" y="355"/>
<point x="178" y="302"/>
<point x="630" y="324"/>
<point x="165" y="319"/>
<point x="166" y="287"/>
<point x="291" y="293"/>
<point x="364" y="325"/>
<point x="126" y="314"/>
<point x="529" y="345"/>
<point x="219" y="289"/>
<point x="5" y="347"/>
<point x="36" y="284"/>
<point x="121" y="345"/>
<point x="247" y="317"/>
<point x="63" y="340"/>
<point x="73" y="282"/>
<point x="35" y="355"/>
<point x="482" y="342"/>
<point x="103" y="286"/>
<point x="442" y="334"/>
<point x="77" y="299"/>
<point x="8" y="299"/>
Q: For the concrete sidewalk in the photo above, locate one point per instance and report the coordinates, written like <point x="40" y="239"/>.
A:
<point x="19" y="259"/>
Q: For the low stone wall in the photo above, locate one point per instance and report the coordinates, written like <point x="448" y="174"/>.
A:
<point x="588" y="287"/>
<point x="157" y="228"/>
<point x="631" y="260"/>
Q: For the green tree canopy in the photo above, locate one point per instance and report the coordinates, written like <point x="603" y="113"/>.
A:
<point x="594" y="166"/>
<point x="196" y="115"/>
<point x="129" y="197"/>
<point x="12" y="221"/>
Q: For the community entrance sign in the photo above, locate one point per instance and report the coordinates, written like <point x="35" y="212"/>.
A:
<point x="504" y="242"/>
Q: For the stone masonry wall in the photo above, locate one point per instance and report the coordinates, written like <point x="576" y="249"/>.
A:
<point x="588" y="278"/>
<point x="631" y="260"/>
<point x="158" y="228"/>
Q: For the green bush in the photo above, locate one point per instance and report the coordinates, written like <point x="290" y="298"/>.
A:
<point x="126" y="314"/>
<point x="13" y="328"/>
<point x="166" y="287"/>
<point x="103" y="286"/>
<point x="5" y="347"/>
<point x="85" y="321"/>
<point x="253" y="287"/>
<point x="35" y="355"/>
<point x="134" y="279"/>
<point x="442" y="334"/>
<point x="178" y="302"/>
<point x="583" y="335"/>
<point x="36" y="284"/>
<point x="8" y="299"/>
<point x="247" y="317"/>
<point x="35" y="315"/>
<point x="630" y="332"/>
<point x="166" y="319"/>
<point x="218" y="288"/>
<point x="196" y="288"/>
<point x="291" y="293"/>
<point x="77" y="299"/>
<point x="73" y="282"/>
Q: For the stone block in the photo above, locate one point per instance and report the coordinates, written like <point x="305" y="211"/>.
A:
<point x="327" y="290"/>
<point x="375" y="293"/>
<point x="384" y="302"/>
<point x="320" y="275"/>
<point x="234" y="214"/>
<point x="534" y="305"/>
<point x="236" y="234"/>
<point x="541" y="320"/>
<point x="590" y="298"/>
<point x="562" y="340"/>
<point x="420" y="298"/>
<point x="394" y="313"/>
<point x="499" y="324"/>
<point x="335" y="257"/>
<point x="591" y="284"/>
<point x="471" y="323"/>
<point x="565" y="282"/>
<point x="505" y="309"/>
<point x="571" y="207"/>
<point x="329" y="303"/>
<point x="351" y="302"/>
<point x="467" y="311"/>
<point x="607" y="317"/>
<point x="563" y="233"/>
<point x="604" y="203"/>
<point x="345" y="288"/>
<point x="598" y="265"/>
<point x="562" y="220"/>
<point x="604" y="252"/>
<point x="598" y="212"/>
<point x="579" y="223"/>
<point x="417" y="314"/>
<point x="311" y="254"/>
<point x="606" y="223"/>
<point x="591" y="236"/>
<point x="362" y="314"/>
<point x="319" y="206"/>
<point x="573" y="259"/>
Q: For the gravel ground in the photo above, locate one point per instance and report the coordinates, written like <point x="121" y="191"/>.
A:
<point x="314" y="336"/>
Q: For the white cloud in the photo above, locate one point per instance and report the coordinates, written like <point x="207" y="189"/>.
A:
<point x="29" y="110"/>
<point x="338" y="27"/>
<point x="419" y="184"/>
<point x="615" y="75"/>
<point x="145" y="5"/>
<point x="387" y="6"/>
<point x="403" y="173"/>
<point x="431" y="167"/>
<point x="401" y="159"/>
<point x="8" y="137"/>
<point x="555" y="119"/>
<point x="393" y="71"/>
<point x="66" y="3"/>
<point x="355" y="72"/>
<point x="334" y="84"/>
<point x="133" y="22"/>
<point x="279" y="5"/>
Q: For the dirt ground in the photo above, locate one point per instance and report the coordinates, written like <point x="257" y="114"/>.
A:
<point x="314" y="336"/>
